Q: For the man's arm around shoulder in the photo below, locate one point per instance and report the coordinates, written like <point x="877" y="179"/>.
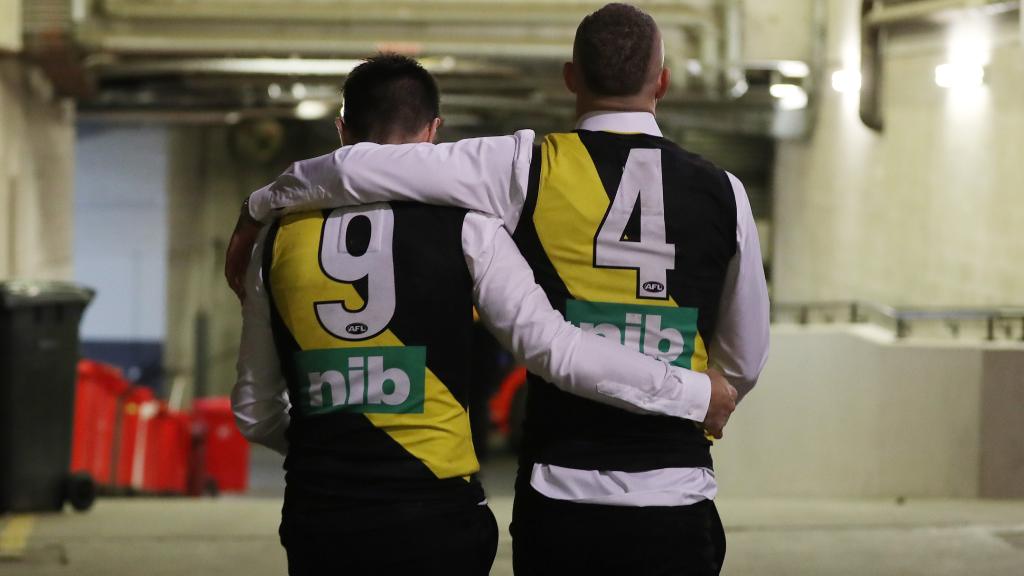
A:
<point x="519" y="314"/>
<point x="487" y="175"/>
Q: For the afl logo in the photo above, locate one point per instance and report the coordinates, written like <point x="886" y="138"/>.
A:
<point x="654" y="287"/>
<point x="356" y="328"/>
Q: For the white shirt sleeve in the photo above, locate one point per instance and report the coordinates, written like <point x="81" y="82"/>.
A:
<point x="489" y="175"/>
<point x="260" y="396"/>
<point x="740" y="346"/>
<point x="518" y="313"/>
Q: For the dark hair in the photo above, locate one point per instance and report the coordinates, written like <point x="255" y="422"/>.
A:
<point x="613" y="49"/>
<point x="389" y="95"/>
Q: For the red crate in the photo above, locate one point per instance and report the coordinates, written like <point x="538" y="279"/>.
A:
<point x="224" y="462"/>
<point x="97" y="394"/>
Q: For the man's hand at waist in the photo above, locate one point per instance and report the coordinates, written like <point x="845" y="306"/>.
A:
<point x="236" y="260"/>
<point x="721" y="405"/>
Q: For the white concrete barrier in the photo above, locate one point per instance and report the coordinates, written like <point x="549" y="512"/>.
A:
<point x="849" y="411"/>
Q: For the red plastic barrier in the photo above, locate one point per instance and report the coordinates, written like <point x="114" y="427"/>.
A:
<point x="168" y="452"/>
<point x="129" y="450"/>
<point x="225" y="461"/>
<point x="97" y="395"/>
<point x="82" y="439"/>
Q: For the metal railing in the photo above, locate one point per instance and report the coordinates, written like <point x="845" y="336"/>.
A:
<point x="996" y="322"/>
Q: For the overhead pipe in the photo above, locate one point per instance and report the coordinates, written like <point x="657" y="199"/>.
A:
<point x="152" y="28"/>
<point x="732" y="30"/>
<point x="670" y="12"/>
<point x="814" y="82"/>
<point x="192" y="44"/>
<point x="695" y="18"/>
<point x="209" y="39"/>
<point x="871" y="38"/>
<point x="190" y="29"/>
<point x="306" y="67"/>
<point x="883" y="15"/>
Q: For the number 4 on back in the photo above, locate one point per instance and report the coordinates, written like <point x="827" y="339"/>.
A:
<point x="649" y="255"/>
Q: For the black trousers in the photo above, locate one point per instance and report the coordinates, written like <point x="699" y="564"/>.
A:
<point x="407" y="538"/>
<point x="557" y="537"/>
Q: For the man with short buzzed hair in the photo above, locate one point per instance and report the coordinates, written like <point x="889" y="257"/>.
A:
<point x="613" y="49"/>
<point x="632" y="238"/>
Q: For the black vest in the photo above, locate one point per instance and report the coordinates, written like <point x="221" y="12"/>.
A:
<point x="372" y="316"/>
<point x="630" y="236"/>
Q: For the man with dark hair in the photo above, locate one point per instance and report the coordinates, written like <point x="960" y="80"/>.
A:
<point x="389" y="102"/>
<point x="355" y="353"/>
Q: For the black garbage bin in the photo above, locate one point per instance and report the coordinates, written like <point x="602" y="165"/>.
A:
<point x="38" y="357"/>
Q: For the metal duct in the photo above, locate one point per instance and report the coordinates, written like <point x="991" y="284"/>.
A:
<point x="870" y="69"/>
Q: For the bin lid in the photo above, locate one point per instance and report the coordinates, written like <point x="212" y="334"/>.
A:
<point x="19" y="293"/>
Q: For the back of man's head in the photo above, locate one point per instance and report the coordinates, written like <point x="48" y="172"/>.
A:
<point x="389" y="98"/>
<point x="613" y="50"/>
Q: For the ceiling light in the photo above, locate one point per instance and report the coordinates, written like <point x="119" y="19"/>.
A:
<point x="311" y="110"/>
<point x="790" y="96"/>
<point x="794" y="68"/>
<point x="739" y="89"/>
<point x="846" y="81"/>
<point x="959" y="75"/>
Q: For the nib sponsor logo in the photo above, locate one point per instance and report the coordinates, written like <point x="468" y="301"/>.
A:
<point x="388" y="380"/>
<point x="666" y="333"/>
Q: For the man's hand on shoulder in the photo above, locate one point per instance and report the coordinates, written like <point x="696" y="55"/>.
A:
<point x="236" y="260"/>
<point x="722" y="405"/>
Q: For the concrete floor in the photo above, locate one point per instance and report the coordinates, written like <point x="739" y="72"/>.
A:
<point x="237" y="535"/>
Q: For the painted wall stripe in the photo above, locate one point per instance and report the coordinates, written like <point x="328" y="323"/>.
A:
<point x="15" y="535"/>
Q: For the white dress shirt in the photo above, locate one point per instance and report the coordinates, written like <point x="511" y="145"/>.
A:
<point x="490" y="175"/>
<point x="517" y="312"/>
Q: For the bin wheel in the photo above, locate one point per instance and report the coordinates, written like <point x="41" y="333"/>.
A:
<point x="81" y="491"/>
<point x="211" y="488"/>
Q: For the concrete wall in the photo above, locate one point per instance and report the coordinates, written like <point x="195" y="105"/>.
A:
<point x="36" y="166"/>
<point x="1002" y="429"/>
<point x="927" y="212"/>
<point x="210" y="171"/>
<point x="10" y="25"/>
<point x="848" y="412"/>
<point x="779" y="30"/>
<point x="121" y="229"/>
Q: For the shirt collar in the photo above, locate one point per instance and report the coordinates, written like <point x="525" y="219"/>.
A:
<point x="622" y="122"/>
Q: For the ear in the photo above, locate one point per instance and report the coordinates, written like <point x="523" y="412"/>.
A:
<point x="664" y="80"/>
<point x="569" y="76"/>
<point x="339" y="123"/>
<point x="435" y="125"/>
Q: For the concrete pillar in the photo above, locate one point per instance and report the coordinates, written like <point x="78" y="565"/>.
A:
<point x="36" y="175"/>
<point x="210" y="170"/>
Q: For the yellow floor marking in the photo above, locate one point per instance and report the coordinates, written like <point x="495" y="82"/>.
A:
<point x="14" y="536"/>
